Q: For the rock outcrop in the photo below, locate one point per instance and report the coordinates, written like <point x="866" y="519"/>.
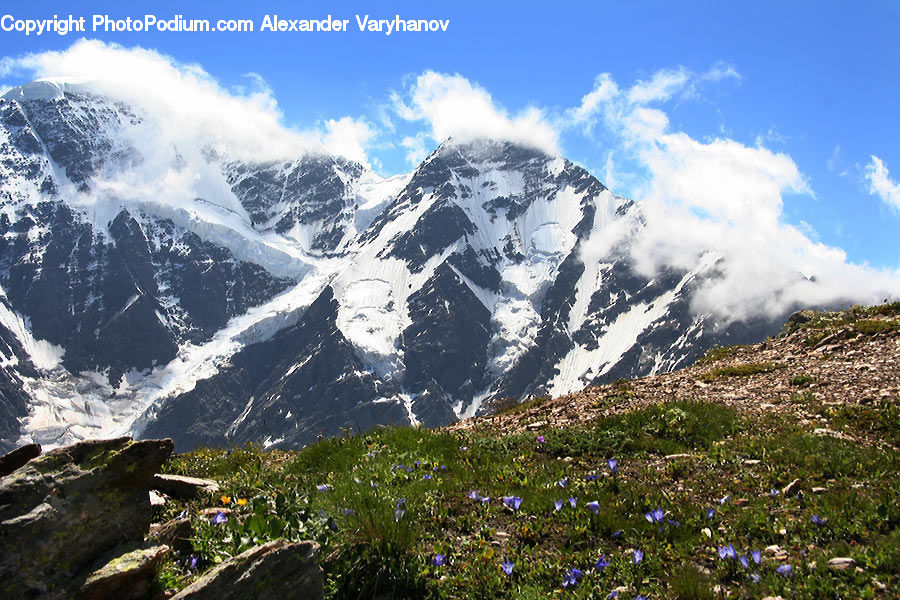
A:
<point x="125" y="577"/>
<point x="278" y="570"/>
<point x="61" y="511"/>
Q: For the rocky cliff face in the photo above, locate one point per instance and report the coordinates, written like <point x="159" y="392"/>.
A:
<point x="277" y="301"/>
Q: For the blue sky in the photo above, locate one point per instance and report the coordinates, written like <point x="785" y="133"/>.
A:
<point x="815" y="82"/>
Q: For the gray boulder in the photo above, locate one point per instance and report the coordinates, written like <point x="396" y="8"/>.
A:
<point x="278" y="570"/>
<point x="61" y="511"/>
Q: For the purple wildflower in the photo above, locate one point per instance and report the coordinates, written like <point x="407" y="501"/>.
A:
<point x="427" y="476"/>
<point x="612" y="594"/>
<point x="349" y="512"/>
<point x="637" y="557"/>
<point x="613" y="464"/>
<point x="473" y="495"/>
<point x="323" y="487"/>
<point x="618" y="533"/>
<point x="672" y="522"/>
<point x="727" y="552"/>
<point x="655" y="516"/>
<point x="192" y="562"/>
<point x="817" y="520"/>
<point x="398" y="514"/>
<point x="219" y="518"/>
<point x="591" y="477"/>
<point x="563" y="482"/>
<point x="438" y="560"/>
<point x="594" y="506"/>
<point x="507" y="566"/>
<point x="485" y="499"/>
<point x="756" y="555"/>
<point x="557" y="504"/>
<point x="640" y="597"/>
<point x="710" y="513"/>
<point x="571" y="577"/>
<point x="755" y="578"/>
<point x="514" y="502"/>
<point x="784" y="570"/>
<point x="417" y="464"/>
<point x="540" y="439"/>
<point x="773" y="492"/>
<point x="573" y="501"/>
<point x="601" y="563"/>
<point x="401" y="502"/>
<point x="724" y="498"/>
<point x="744" y="561"/>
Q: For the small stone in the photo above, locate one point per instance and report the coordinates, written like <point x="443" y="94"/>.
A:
<point x="752" y="461"/>
<point x="773" y="598"/>
<point x="773" y="549"/>
<point x="175" y="533"/>
<point x="677" y="456"/>
<point x="705" y="531"/>
<point x="791" y="488"/>
<point x="819" y="490"/>
<point x="157" y="499"/>
<point x="841" y="563"/>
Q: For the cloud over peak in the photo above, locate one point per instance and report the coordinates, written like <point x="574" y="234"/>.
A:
<point x="188" y="103"/>
<point x="453" y="106"/>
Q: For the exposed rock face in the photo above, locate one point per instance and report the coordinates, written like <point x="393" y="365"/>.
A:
<point x="70" y="506"/>
<point x="18" y="457"/>
<point x="279" y="570"/>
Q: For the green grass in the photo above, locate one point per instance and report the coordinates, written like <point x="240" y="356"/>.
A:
<point x="717" y="353"/>
<point x="802" y="380"/>
<point x="739" y="370"/>
<point x="370" y="550"/>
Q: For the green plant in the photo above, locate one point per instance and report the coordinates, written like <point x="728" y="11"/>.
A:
<point x="802" y="380"/>
<point x="739" y="371"/>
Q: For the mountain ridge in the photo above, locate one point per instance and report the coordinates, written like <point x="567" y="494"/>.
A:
<point x="469" y="279"/>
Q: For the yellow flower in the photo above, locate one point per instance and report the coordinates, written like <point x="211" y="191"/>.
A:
<point x="226" y="499"/>
<point x="241" y="501"/>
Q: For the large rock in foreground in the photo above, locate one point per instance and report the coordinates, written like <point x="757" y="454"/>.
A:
<point x="278" y="570"/>
<point x="62" y="510"/>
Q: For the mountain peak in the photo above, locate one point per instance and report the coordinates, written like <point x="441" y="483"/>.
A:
<point x="49" y="88"/>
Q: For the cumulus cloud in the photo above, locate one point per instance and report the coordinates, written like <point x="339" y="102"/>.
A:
<point x="721" y="203"/>
<point x="453" y="106"/>
<point x="880" y="183"/>
<point x="189" y="104"/>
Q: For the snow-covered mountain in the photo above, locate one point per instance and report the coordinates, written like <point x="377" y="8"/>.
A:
<point x="191" y="294"/>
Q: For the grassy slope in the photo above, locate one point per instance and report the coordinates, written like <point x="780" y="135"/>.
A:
<point x="727" y="461"/>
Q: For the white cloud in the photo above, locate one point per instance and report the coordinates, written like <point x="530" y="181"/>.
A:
<point x="661" y="86"/>
<point x="724" y="197"/>
<point x="605" y="89"/>
<point x="453" y="106"/>
<point x="880" y="183"/>
<point x="417" y="147"/>
<point x="188" y="104"/>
